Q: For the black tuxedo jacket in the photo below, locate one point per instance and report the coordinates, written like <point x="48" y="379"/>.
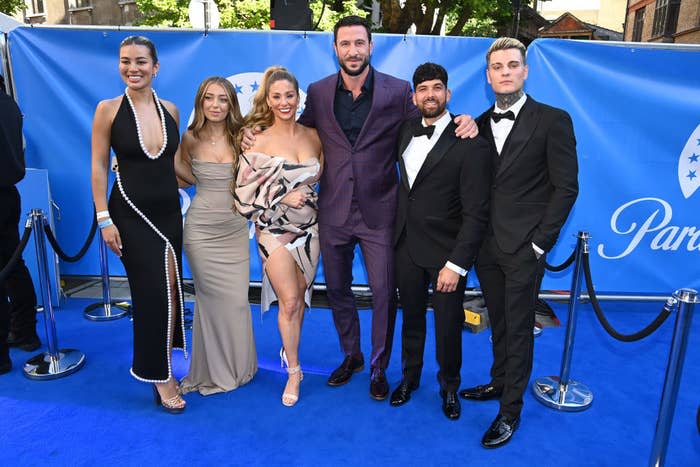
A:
<point x="535" y="181"/>
<point x="445" y="213"/>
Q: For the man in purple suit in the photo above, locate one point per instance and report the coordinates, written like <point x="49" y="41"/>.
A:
<point x="357" y="113"/>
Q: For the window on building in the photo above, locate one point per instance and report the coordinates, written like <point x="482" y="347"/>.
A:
<point x="665" y="17"/>
<point x="73" y="4"/>
<point x="36" y="7"/>
<point x="638" y="25"/>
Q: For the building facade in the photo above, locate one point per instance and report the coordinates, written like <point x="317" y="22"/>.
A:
<point x="84" y="12"/>
<point x="607" y="14"/>
<point x="663" y="21"/>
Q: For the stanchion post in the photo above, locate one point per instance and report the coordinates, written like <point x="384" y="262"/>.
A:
<point x="56" y="362"/>
<point x="559" y="392"/>
<point x="686" y="299"/>
<point x="104" y="311"/>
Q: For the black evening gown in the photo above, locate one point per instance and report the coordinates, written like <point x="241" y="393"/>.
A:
<point x="145" y="206"/>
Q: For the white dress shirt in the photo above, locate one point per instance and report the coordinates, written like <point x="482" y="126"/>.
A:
<point x="414" y="156"/>
<point x="501" y="130"/>
<point x="418" y="149"/>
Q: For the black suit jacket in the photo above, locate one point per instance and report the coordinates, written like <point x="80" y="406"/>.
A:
<point x="11" y="153"/>
<point x="535" y="180"/>
<point x="445" y="213"/>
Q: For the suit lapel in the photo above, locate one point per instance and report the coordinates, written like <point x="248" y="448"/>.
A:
<point x="520" y="134"/>
<point x="485" y="128"/>
<point x="446" y="141"/>
<point x="377" y="93"/>
<point x="404" y="140"/>
<point x="329" y="108"/>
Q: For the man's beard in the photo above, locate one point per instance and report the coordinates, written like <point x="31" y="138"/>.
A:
<point x="357" y="72"/>
<point x="433" y="113"/>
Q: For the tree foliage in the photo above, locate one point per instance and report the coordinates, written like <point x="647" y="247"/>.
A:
<point x="460" y="17"/>
<point x="241" y="14"/>
<point x="10" y="7"/>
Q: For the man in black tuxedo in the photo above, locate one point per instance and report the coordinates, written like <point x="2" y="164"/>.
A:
<point x="534" y="188"/>
<point x="11" y="172"/>
<point x="441" y="219"/>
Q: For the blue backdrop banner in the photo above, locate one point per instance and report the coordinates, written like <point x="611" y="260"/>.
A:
<point x="635" y="114"/>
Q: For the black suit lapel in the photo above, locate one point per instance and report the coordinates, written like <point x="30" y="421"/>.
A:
<point x="404" y="141"/>
<point x="521" y="133"/>
<point x="485" y="127"/>
<point x="447" y="139"/>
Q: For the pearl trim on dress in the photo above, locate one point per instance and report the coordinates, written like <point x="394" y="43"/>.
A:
<point x="168" y="249"/>
<point x="138" y="124"/>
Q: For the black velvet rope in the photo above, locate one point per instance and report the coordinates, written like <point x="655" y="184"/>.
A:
<point x="563" y="265"/>
<point x="17" y="254"/>
<point x="665" y="312"/>
<point x="61" y="254"/>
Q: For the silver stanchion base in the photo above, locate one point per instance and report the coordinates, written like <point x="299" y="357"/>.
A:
<point x="106" y="311"/>
<point x="572" y="398"/>
<point x="44" y="366"/>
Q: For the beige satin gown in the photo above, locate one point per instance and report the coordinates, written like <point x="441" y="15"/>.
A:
<point x="217" y="248"/>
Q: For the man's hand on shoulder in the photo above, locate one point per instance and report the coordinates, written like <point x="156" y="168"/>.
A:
<point x="466" y="127"/>
<point x="248" y="140"/>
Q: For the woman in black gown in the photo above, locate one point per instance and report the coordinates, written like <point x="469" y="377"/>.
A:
<point x="142" y="223"/>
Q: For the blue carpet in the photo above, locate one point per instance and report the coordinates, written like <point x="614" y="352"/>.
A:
<point x="102" y="416"/>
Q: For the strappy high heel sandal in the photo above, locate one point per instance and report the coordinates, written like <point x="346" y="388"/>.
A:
<point x="169" y="405"/>
<point x="289" y="399"/>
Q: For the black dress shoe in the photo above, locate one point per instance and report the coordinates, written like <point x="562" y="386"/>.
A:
<point x="402" y="393"/>
<point x="5" y="362"/>
<point x="450" y="404"/>
<point x="343" y="373"/>
<point x="378" y="385"/>
<point x="483" y="392"/>
<point x="28" y="343"/>
<point x="500" y="431"/>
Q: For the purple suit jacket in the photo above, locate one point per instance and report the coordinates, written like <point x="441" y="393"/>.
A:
<point x="369" y="168"/>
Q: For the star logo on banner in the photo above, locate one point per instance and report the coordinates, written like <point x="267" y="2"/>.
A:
<point x="688" y="164"/>
<point x="245" y="85"/>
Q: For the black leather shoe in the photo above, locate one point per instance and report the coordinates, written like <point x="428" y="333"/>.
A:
<point x="343" y="373"/>
<point x="28" y="344"/>
<point x="402" y="393"/>
<point x="450" y="404"/>
<point x="5" y="362"/>
<point x="500" y="431"/>
<point x="483" y="392"/>
<point x="378" y="385"/>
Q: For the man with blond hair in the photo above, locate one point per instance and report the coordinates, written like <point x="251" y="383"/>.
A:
<point x="534" y="188"/>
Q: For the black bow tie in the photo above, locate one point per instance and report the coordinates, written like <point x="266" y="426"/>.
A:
<point x="498" y="116"/>
<point x="421" y="130"/>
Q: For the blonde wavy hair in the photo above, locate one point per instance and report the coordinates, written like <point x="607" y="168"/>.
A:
<point x="234" y="119"/>
<point x="260" y="113"/>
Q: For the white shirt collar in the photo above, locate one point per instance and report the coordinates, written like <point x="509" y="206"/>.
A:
<point x="515" y="108"/>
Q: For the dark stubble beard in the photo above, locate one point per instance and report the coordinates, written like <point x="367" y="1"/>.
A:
<point x="349" y="72"/>
<point x="503" y="101"/>
<point x="435" y="113"/>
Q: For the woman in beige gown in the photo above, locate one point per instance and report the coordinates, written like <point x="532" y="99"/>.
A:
<point x="275" y="188"/>
<point x="216" y="244"/>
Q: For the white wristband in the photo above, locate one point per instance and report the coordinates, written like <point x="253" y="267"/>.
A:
<point x="101" y="214"/>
